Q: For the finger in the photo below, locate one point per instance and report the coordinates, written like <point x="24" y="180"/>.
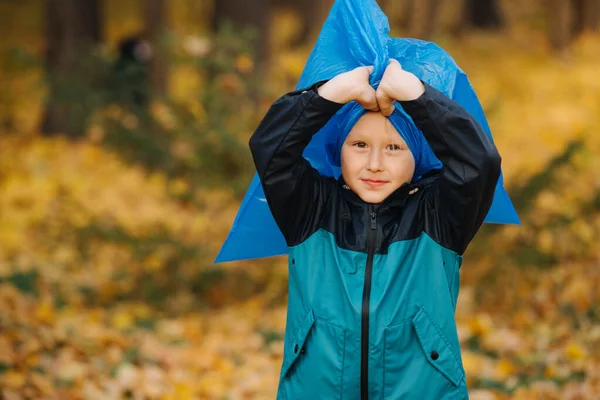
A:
<point x="370" y="106"/>
<point x="386" y="111"/>
<point x="386" y="103"/>
<point x="365" y="68"/>
<point x="368" y="99"/>
<point x="394" y="61"/>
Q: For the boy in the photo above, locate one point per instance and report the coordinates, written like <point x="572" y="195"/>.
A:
<point x="374" y="257"/>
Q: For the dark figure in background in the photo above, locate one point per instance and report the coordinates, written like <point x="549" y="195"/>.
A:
<point x="132" y="72"/>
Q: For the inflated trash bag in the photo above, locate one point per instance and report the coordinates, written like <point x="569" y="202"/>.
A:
<point x="356" y="34"/>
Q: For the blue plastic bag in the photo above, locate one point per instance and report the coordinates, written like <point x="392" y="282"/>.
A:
<point x="356" y="34"/>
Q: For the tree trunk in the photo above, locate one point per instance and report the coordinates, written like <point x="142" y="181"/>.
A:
<point x="407" y="15"/>
<point x="72" y="28"/>
<point x="586" y="16"/>
<point x="243" y="14"/>
<point x="156" y="21"/>
<point x="559" y="23"/>
<point x="313" y="13"/>
<point x="429" y="25"/>
<point x="483" y="14"/>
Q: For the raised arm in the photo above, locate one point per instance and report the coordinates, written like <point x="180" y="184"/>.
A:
<point x="463" y="194"/>
<point x="295" y="192"/>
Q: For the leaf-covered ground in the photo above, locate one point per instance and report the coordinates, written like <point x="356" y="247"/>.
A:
<point x="107" y="289"/>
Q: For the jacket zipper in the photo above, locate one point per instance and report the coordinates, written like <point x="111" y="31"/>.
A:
<point x="364" y="338"/>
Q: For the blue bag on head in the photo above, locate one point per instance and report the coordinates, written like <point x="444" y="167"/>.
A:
<point x="356" y="34"/>
<point x="347" y="117"/>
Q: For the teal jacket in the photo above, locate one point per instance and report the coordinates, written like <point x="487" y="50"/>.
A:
<point x="373" y="288"/>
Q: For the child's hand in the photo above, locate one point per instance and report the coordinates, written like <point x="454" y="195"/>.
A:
<point x="397" y="84"/>
<point x="351" y="86"/>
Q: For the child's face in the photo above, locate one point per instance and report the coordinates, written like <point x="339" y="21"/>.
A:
<point x="375" y="159"/>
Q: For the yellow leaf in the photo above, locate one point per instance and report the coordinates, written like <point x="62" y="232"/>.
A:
<point x="44" y="312"/>
<point x="472" y="365"/>
<point x="244" y="63"/>
<point x="574" y="351"/>
<point x="7" y="354"/>
<point x="13" y="380"/>
<point x="183" y="391"/>
<point x="578" y="293"/>
<point x="504" y="368"/>
<point x="481" y="325"/>
<point x="550" y="371"/>
<point x="122" y="320"/>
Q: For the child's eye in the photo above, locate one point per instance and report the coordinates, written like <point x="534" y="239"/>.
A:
<point x="361" y="145"/>
<point x="393" y="147"/>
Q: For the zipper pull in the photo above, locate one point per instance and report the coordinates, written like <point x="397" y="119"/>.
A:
<point x="373" y="220"/>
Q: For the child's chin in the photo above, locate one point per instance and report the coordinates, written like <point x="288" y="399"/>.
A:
<point x="373" y="198"/>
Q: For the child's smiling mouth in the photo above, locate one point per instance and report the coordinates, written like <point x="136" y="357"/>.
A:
<point x="374" y="183"/>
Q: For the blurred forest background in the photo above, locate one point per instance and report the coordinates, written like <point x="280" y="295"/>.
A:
<point x="123" y="159"/>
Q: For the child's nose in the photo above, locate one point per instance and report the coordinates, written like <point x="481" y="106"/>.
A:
<point x="375" y="161"/>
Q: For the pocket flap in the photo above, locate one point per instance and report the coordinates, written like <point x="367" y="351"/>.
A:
<point x="294" y="347"/>
<point x="438" y="350"/>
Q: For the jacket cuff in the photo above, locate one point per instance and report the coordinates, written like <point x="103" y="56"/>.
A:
<point x="325" y="105"/>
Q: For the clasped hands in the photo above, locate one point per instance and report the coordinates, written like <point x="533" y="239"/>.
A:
<point x="396" y="84"/>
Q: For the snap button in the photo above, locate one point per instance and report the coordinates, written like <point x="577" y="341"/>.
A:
<point x="434" y="355"/>
<point x="295" y="349"/>
<point x="304" y="91"/>
<point x="302" y="351"/>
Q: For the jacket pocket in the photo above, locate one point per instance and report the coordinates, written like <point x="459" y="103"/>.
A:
<point x="436" y="347"/>
<point x="296" y="346"/>
<point x="420" y="362"/>
<point x="313" y="361"/>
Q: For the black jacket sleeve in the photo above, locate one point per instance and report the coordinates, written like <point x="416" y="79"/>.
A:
<point x="296" y="193"/>
<point x="463" y="194"/>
